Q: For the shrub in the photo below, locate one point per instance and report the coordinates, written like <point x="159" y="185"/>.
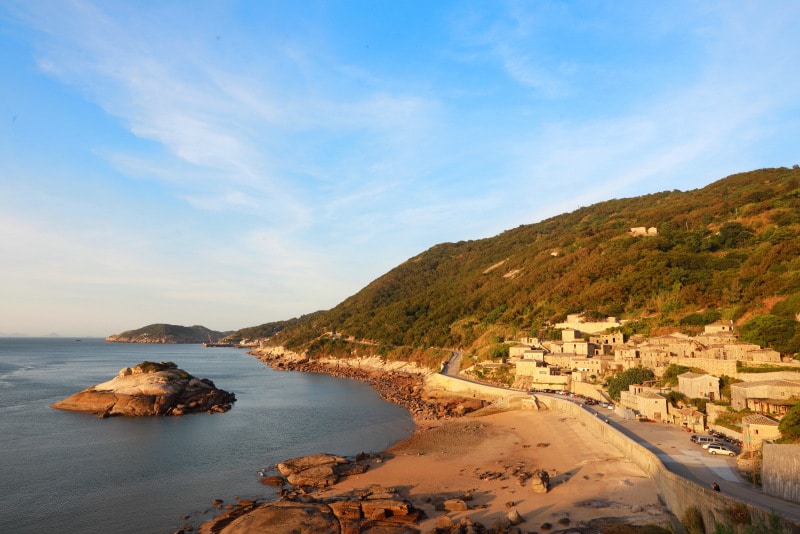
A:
<point x="692" y="521"/>
<point x="739" y="513"/>
<point x="153" y="367"/>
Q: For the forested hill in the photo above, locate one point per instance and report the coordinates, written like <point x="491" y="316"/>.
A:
<point x="167" y="333"/>
<point x="730" y="250"/>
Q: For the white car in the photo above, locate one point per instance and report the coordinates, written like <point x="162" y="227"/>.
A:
<point x="716" y="448"/>
<point x="705" y="445"/>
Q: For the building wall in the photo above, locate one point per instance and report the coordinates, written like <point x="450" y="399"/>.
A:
<point x="710" y="366"/>
<point x="740" y="394"/>
<point x="702" y="387"/>
<point x="780" y="474"/>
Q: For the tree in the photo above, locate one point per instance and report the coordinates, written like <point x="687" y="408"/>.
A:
<point x="670" y="376"/>
<point x="621" y="381"/>
<point x="771" y="331"/>
<point x="790" y="424"/>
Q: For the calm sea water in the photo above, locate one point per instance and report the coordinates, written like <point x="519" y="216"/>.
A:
<point x="72" y="472"/>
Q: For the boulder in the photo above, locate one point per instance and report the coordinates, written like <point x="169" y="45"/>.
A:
<point x="455" y="505"/>
<point x="319" y="470"/>
<point x="302" y="463"/>
<point x="540" y="482"/>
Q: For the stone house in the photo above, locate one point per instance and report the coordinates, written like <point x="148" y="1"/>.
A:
<point x="720" y="327"/>
<point x="581" y="348"/>
<point x="540" y="375"/>
<point x="628" y="357"/>
<point x="697" y="386"/>
<point x="765" y="396"/>
<point x="644" y="401"/>
<point x="590" y="366"/>
<point x="688" y="417"/>
<point x="740" y="352"/>
<point x="756" y="429"/>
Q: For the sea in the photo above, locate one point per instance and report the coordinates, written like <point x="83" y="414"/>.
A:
<point x="69" y="472"/>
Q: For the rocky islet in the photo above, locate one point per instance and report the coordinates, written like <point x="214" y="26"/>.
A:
<point x="149" y="389"/>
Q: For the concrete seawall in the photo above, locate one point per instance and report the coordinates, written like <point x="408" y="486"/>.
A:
<point x="679" y="494"/>
<point x="467" y="388"/>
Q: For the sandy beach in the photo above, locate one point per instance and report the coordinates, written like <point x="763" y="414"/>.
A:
<point x="482" y="459"/>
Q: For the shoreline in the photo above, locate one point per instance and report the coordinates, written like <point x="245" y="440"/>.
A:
<point x="462" y="451"/>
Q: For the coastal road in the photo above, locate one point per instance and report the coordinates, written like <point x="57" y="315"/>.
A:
<point x="689" y="460"/>
<point x="453" y="365"/>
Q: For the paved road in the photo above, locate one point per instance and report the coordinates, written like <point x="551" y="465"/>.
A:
<point x="453" y="365"/>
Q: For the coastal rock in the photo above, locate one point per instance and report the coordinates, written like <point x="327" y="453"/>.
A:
<point x="150" y="389"/>
<point x="392" y="516"/>
<point x="319" y="470"/>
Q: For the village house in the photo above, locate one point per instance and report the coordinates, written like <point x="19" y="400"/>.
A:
<point x="606" y="343"/>
<point x="765" y="396"/>
<point x="688" y="417"/>
<point x="645" y="402"/>
<point x="655" y="358"/>
<point x="516" y="352"/>
<point x="697" y="386"/>
<point x="718" y="328"/>
<point x="588" y="367"/>
<point x="679" y="345"/>
<point x="756" y="429"/>
<point x="533" y="374"/>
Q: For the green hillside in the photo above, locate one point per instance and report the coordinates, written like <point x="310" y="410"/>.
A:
<point x="267" y="329"/>
<point x="167" y="333"/>
<point x="730" y="250"/>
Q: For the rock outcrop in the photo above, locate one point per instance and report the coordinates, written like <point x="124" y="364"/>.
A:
<point x="372" y="511"/>
<point x="150" y="389"/>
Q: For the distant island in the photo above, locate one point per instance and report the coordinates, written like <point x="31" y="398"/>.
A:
<point x="169" y="333"/>
<point x="150" y="388"/>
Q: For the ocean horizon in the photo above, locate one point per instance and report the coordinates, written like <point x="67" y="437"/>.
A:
<point x="74" y="472"/>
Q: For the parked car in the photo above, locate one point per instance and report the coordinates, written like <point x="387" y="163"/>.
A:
<point x="715" y="442"/>
<point x="714" y="448"/>
<point x="703" y="440"/>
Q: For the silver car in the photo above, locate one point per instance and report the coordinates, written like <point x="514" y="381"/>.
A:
<point x="716" y="448"/>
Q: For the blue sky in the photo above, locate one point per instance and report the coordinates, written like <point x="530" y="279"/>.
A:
<point x="233" y="163"/>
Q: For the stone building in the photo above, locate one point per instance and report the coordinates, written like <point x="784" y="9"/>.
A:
<point x="645" y="402"/>
<point x="766" y="396"/>
<point x="697" y="386"/>
<point x="756" y="429"/>
<point x="540" y="375"/>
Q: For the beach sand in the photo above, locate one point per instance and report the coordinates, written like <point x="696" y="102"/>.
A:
<point x="481" y="459"/>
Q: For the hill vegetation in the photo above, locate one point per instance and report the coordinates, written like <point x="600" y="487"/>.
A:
<point x="167" y="333"/>
<point x="267" y="330"/>
<point x="729" y="251"/>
